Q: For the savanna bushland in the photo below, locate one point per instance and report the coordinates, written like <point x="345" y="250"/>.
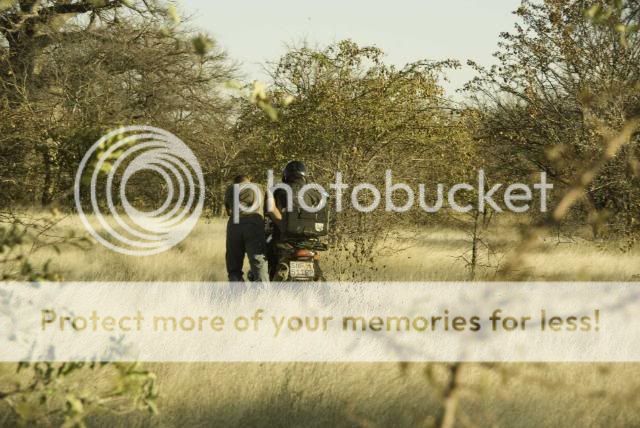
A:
<point x="563" y="98"/>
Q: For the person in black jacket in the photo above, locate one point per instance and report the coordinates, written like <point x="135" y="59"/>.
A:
<point x="245" y="232"/>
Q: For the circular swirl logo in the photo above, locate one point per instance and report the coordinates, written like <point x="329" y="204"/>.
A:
<point x="135" y="157"/>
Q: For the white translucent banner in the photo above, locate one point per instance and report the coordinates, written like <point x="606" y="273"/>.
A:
<point x="320" y="322"/>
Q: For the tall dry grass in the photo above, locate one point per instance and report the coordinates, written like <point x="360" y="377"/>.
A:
<point x="429" y="254"/>
<point x="376" y="395"/>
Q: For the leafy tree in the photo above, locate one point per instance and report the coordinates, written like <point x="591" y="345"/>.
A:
<point x="29" y="26"/>
<point x="132" y="72"/>
<point x="343" y="109"/>
<point x="44" y="392"/>
<point x="560" y="90"/>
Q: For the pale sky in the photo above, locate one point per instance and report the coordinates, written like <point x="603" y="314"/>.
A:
<point x="256" y="31"/>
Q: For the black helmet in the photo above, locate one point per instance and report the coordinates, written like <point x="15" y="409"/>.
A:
<point x="294" y="170"/>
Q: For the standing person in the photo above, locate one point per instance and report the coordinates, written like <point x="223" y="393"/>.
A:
<point x="245" y="231"/>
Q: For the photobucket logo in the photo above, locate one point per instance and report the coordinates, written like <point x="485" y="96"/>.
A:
<point x="107" y="169"/>
<point x="400" y="197"/>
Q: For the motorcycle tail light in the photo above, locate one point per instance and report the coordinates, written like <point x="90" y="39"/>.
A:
<point x="304" y="253"/>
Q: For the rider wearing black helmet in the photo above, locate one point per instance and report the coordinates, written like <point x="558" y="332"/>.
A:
<point x="294" y="176"/>
<point x="294" y="171"/>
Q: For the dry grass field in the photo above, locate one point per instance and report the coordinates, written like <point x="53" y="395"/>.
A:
<point x="432" y="254"/>
<point x="373" y="395"/>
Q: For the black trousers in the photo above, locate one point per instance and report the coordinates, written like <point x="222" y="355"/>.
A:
<point x="247" y="237"/>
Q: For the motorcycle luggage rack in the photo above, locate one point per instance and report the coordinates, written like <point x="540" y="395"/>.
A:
<point x="309" y="245"/>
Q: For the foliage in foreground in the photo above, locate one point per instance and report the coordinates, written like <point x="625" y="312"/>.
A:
<point x="42" y="392"/>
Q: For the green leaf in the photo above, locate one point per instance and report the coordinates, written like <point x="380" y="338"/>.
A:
<point x="592" y="11"/>
<point x="202" y="44"/>
<point x="152" y="406"/>
<point x="106" y="168"/>
<point x="269" y="110"/>
<point x="75" y="405"/>
<point x="172" y="13"/>
<point x="233" y="84"/>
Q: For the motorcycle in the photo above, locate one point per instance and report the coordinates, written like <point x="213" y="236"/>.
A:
<point x="293" y="260"/>
<point x="296" y="261"/>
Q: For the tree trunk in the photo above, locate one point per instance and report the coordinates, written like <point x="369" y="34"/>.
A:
<point x="49" y="163"/>
<point x="17" y="72"/>
<point x="447" y="417"/>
